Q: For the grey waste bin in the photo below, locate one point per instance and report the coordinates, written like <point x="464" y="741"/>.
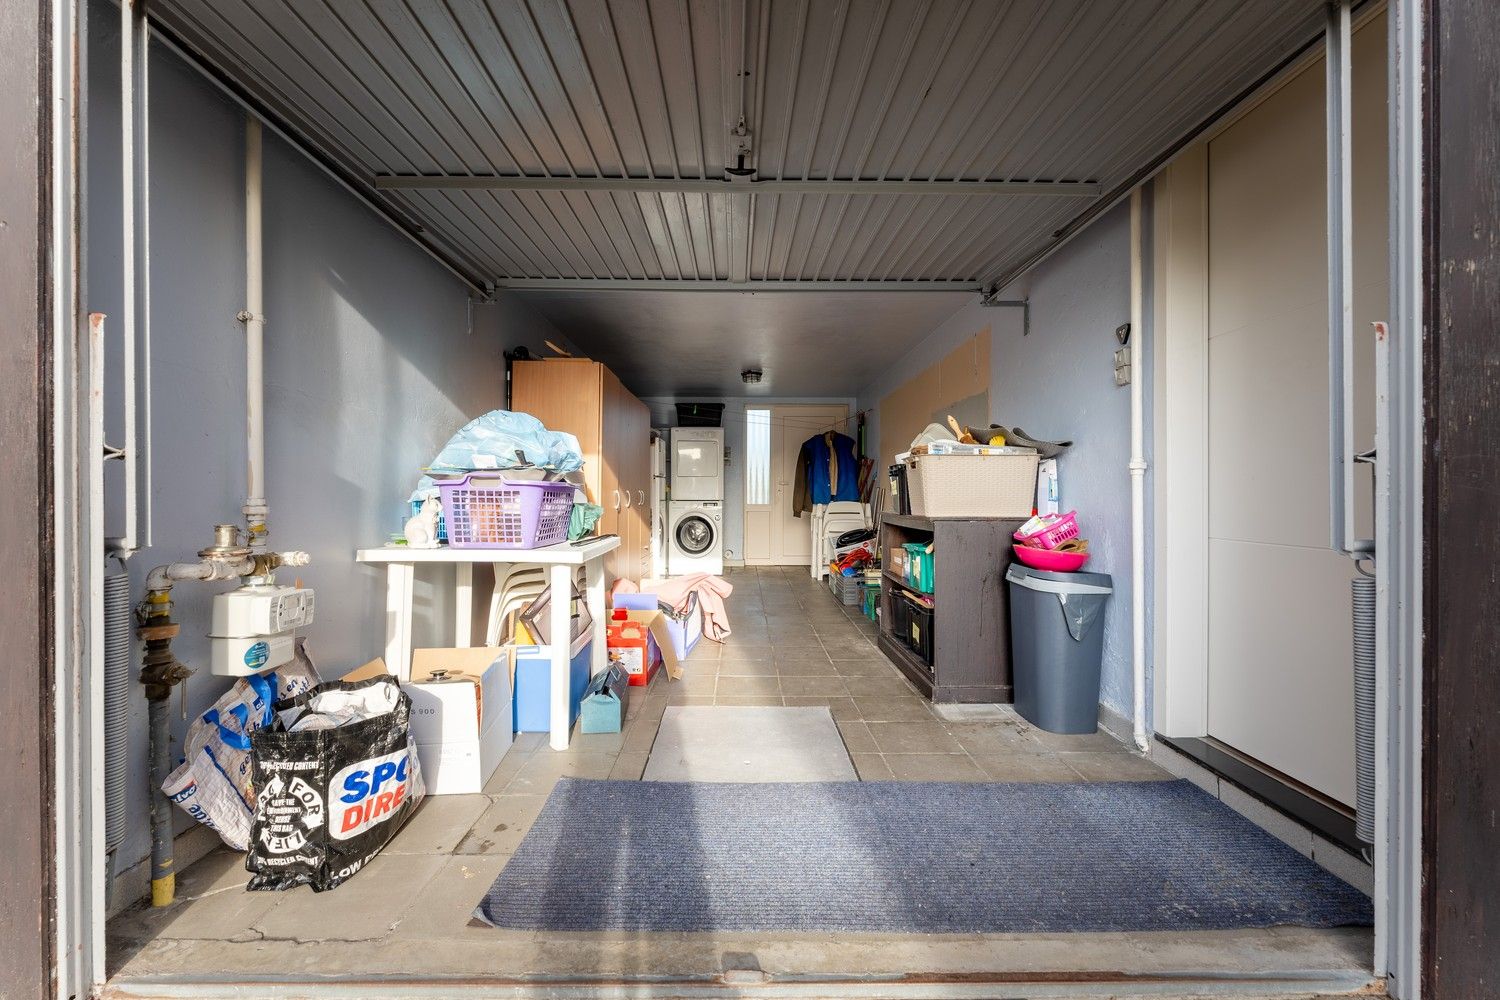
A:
<point x="1057" y="643"/>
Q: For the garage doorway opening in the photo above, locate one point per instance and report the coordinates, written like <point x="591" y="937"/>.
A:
<point x="539" y="249"/>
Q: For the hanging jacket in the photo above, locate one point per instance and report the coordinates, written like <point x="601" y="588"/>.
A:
<point x="814" y="484"/>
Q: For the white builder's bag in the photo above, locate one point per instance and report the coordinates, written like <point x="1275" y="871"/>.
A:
<point x="213" y="783"/>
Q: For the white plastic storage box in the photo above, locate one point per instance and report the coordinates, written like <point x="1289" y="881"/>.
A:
<point x="972" y="485"/>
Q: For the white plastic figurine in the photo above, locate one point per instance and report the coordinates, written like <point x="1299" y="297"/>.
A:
<point x="421" y="527"/>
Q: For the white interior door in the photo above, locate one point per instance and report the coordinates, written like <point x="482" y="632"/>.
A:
<point x="774" y="536"/>
<point x="1280" y="685"/>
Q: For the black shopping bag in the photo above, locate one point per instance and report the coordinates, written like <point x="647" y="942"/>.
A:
<point x="335" y="777"/>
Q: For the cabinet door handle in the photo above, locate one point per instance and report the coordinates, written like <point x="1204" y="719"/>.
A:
<point x="627" y="499"/>
<point x="640" y="497"/>
<point x="617" y="499"/>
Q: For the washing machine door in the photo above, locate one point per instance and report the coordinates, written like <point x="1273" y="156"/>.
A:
<point x="695" y="534"/>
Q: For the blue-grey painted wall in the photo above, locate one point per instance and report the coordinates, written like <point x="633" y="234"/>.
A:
<point x="1058" y="383"/>
<point x="370" y="366"/>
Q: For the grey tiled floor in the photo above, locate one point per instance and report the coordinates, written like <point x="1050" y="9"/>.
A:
<point x="407" y="913"/>
<point x="793" y="644"/>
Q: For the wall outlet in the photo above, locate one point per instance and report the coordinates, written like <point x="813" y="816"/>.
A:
<point x="1122" y="366"/>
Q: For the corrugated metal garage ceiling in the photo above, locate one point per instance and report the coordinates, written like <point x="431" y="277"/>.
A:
<point x="473" y="93"/>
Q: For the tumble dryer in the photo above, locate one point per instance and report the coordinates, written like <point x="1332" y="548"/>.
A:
<point x="695" y="537"/>
<point x="697" y="463"/>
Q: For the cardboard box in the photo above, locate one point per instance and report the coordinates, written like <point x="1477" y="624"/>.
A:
<point x="460" y="714"/>
<point x="660" y="627"/>
<point x="681" y="634"/>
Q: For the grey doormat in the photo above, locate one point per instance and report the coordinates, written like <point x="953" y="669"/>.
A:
<point x="905" y="857"/>
<point x="748" y="743"/>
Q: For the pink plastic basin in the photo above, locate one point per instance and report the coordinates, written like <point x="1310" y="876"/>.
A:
<point x="1056" y="562"/>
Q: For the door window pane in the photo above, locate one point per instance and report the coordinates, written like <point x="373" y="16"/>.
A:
<point x="758" y="457"/>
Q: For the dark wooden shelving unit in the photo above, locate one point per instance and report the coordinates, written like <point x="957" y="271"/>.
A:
<point x="971" y="608"/>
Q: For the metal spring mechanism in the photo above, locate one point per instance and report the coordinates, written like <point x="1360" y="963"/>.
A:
<point x="1362" y="590"/>
<point x="118" y="655"/>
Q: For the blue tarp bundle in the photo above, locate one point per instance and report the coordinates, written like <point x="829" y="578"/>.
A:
<point x="503" y="439"/>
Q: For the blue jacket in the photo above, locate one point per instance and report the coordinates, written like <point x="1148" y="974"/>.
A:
<point x="812" y="485"/>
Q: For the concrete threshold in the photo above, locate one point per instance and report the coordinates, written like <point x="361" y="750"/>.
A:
<point x="1307" y="985"/>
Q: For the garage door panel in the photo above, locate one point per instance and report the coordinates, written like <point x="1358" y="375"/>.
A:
<point x="1268" y="432"/>
<point x="1281" y="682"/>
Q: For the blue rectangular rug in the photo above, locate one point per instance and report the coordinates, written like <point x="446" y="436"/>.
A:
<point x="905" y="857"/>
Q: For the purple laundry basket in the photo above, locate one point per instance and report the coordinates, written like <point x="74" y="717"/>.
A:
<point x="486" y="511"/>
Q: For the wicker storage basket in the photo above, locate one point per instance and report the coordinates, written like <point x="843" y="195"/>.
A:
<point x="972" y="485"/>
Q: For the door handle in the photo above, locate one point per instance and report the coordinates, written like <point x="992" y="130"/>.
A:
<point x="627" y="499"/>
<point x="640" y="497"/>
<point x="617" y="499"/>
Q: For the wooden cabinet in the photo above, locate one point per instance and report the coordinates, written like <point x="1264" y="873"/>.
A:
<point x="970" y="620"/>
<point x="613" y="429"/>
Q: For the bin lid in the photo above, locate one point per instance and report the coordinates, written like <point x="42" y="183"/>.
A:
<point x="1053" y="582"/>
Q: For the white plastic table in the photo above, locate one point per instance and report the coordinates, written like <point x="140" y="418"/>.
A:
<point x="400" y="571"/>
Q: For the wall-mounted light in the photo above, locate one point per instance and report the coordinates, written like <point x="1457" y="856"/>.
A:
<point x="751" y="376"/>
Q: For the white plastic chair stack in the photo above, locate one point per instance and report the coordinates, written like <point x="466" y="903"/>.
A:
<point x="515" y="588"/>
<point x="829" y="522"/>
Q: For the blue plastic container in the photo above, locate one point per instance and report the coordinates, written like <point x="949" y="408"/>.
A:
<point x="533" y="687"/>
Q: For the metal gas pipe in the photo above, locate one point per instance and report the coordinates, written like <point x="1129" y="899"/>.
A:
<point x="161" y="671"/>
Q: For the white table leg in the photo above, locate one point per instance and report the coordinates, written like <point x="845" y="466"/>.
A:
<point x="560" y="632"/>
<point x="398" y="587"/>
<point x="593" y="582"/>
<point x="463" y="605"/>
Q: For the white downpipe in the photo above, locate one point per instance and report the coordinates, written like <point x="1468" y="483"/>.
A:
<point x="140" y="479"/>
<point x="127" y="544"/>
<point x="1137" y="483"/>
<point x="255" y="510"/>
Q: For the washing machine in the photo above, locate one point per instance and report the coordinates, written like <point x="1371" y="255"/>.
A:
<point x="695" y="537"/>
<point x="697" y="463"/>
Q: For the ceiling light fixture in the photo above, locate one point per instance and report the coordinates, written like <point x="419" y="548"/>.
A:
<point x="751" y="376"/>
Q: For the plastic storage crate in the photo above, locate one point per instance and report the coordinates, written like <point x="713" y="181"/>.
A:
<point x="489" y="512"/>
<point x="918" y="567"/>
<point x="972" y="485"/>
<point x="845" y="588"/>
<point x="1058" y="529"/>
<point x="918" y="632"/>
<point x="900" y="622"/>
